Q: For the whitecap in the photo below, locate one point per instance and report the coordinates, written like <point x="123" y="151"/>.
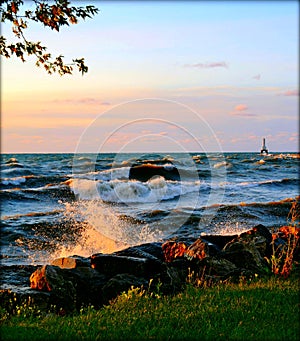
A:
<point x="13" y="181"/>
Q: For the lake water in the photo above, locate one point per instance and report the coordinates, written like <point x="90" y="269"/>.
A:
<point x="56" y="205"/>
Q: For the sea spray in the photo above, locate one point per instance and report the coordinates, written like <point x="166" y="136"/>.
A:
<point x="102" y="229"/>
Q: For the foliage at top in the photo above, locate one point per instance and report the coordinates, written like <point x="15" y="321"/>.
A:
<point x="53" y="15"/>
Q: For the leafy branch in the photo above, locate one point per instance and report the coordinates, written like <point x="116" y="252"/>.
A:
<point x="52" y="14"/>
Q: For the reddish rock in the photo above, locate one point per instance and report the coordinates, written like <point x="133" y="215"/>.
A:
<point x="199" y="250"/>
<point x="71" y="262"/>
<point x="38" y="280"/>
<point x="173" y="250"/>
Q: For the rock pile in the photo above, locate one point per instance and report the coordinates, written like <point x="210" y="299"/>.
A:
<point x="69" y="283"/>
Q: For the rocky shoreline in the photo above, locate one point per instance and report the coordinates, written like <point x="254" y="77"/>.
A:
<point x="68" y="284"/>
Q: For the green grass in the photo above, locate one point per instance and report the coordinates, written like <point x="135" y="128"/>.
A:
<point x="266" y="309"/>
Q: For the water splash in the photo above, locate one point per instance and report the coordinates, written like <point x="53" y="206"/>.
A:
<point x="102" y="229"/>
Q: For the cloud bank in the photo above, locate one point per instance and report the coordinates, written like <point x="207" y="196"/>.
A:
<point x="207" y="65"/>
<point x="290" y="93"/>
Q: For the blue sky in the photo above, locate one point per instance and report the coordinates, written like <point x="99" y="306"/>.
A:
<point x="225" y="73"/>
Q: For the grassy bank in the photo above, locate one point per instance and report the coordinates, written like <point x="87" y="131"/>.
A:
<point x="263" y="309"/>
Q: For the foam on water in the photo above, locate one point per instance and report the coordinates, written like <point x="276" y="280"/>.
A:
<point x="222" y="164"/>
<point x="13" y="181"/>
<point x="228" y="228"/>
<point x="132" y="191"/>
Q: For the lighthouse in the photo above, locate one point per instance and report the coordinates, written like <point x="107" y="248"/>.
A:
<point x="264" y="149"/>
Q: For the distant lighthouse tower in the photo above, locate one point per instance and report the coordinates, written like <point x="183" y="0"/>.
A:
<point x="264" y="149"/>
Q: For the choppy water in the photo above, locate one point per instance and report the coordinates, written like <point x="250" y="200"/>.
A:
<point x="59" y="204"/>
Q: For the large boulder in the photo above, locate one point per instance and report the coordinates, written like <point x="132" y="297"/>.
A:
<point x="112" y="264"/>
<point x="121" y="283"/>
<point x="147" y="250"/>
<point x="69" y="288"/>
<point x="13" y="300"/>
<point x="248" y="250"/>
<point x="147" y="171"/>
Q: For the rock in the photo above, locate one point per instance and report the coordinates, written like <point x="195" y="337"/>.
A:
<point x="198" y="249"/>
<point x="248" y="250"/>
<point x="219" y="241"/>
<point x="71" y="262"/>
<point x="120" y="283"/>
<point x="39" y="281"/>
<point x="172" y="280"/>
<point x="173" y="250"/>
<point x="256" y="235"/>
<point x="147" y="171"/>
<point x="69" y="288"/>
<point x="12" y="301"/>
<point x="218" y="267"/>
<point x="111" y="265"/>
<point x="148" y="250"/>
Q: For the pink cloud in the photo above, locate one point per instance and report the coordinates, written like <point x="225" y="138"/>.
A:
<point x="241" y="110"/>
<point x="86" y="100"/>
<point x="290" y="93"/>
<point x="207" y="65"/>
<point x="240" y="107"/>
<point x="257" y="77"/>
<point x="243" y="114"/>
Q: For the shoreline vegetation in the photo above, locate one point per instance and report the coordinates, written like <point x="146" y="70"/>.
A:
<point x="257" y="307"/>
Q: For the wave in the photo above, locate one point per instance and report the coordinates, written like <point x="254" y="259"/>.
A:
<point x="222" y="164"/>
<point x="13" y="181"/>
<point x="32" y="214"/>
<point x="132" y="191"/>
<point x="16" y="171"/>
<point x="12" y="162"/>
<point x="18" y="180"/>
<point x="271" y="182"/>
<point x="286" y="181"/>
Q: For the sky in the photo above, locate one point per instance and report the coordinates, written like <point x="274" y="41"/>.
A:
<point x="163" y="76"/>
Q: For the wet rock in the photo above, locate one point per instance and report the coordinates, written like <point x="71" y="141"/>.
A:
<point x="198" y="249"/>
<point x="71" y="262"/>
<point x="219" y="241"/>
<point x="248" y="250"/>
<point x="148" y="250"/>
<point x="69" y="288"/>
<point x="173" y="279"/>
<point x="173" y="250"/>
<point x="218" y="266"/>
<point x="120" y="283"/>
<point x="111" y="265"/>
<point x="20" y="297"/>
<point x="245" y="256"/>
<point x="147" y="171"/>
